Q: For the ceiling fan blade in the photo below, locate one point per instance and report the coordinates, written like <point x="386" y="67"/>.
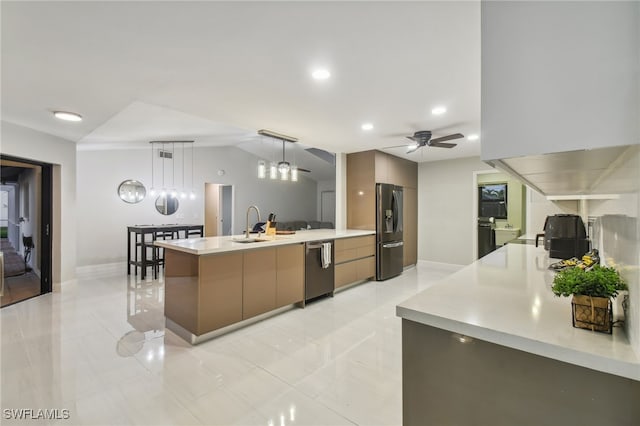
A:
<point x="412" y="138"/>
<point x="447" y="138"/>
<point x="396" y="146"/>
<point x="442" y="144"/>
<point x="413" y="148"/>
<point x="304" y="170"/>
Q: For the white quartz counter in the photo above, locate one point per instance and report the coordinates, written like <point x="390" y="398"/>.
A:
<point x="212" y="245"/>
<point x="505" y="298"/>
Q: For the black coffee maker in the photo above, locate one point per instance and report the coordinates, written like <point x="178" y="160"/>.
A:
<point x="564" y="236"/>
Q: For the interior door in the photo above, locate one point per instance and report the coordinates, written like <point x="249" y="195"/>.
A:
<point x="211" y="209"/>
<point x="328" y="206"/>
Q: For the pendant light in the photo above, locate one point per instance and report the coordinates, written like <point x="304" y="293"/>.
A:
<point x="152" y="190"/>
<point x="163" y="193"/>
<point x="192" y="196"/>
<point x="174" y="191"/>
<point x="282" y="169"/>
<point x="183" y="193"/>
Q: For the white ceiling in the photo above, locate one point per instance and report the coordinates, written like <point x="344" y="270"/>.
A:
<point x="218" y="71"/>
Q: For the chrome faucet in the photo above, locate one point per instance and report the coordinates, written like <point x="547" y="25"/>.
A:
<point x="258" y="212"/>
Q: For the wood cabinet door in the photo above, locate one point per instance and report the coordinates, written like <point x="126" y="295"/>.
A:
<point x="410" y="233"/>
<point x="345" y="273"/>
<point x="403" y="172"/>
<point x="259" y="284"/>
<point x="365" y="268"/>
<point x="361" y="186"/>
<point x="289" y="274"/>
<point x="220" y="285"/>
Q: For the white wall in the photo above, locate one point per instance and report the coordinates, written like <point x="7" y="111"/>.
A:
<point x="30" y="144"/>
<point x="103" y="216"/>
<point x="558" y="76"/>
<point x="445" y="210"/>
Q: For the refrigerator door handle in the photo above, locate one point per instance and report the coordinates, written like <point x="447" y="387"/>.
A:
<point x="396" y="199"/>
<point x="394" y="204"/>
<point x="392" y="245"/>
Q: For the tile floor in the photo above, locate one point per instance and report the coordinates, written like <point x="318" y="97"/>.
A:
<point x="20" y="288"/>
<point x="99" y="349"/>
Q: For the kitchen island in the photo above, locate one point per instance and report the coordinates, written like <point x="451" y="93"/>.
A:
<point x="491" y="344"/>
<point x="216" y="284"/>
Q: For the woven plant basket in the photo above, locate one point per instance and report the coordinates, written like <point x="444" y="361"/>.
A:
<point x="593" y="313"/>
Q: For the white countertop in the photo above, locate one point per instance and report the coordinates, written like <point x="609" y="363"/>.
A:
<point x="212" y="245"/>
<point x="505" y="298"/>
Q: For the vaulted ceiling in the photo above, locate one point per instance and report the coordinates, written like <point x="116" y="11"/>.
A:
<point x="217" y="72"/>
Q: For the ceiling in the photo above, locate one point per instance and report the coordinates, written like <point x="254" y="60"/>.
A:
<point x="216" y="72"/>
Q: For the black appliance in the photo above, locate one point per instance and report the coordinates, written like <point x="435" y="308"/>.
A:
<point x="564" y="236"/>
<point x="389" y="243"/>
<point x="486" y="236"/>
<point x="319" y="269"/>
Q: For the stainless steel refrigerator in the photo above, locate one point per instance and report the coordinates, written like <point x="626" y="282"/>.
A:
<point x="389" y="243"/>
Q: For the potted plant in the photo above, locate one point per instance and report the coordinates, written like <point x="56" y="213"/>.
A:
<point x="592" y="292"/>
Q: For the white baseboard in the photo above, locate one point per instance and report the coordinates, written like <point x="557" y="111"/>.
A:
<point x="102" y="268"/>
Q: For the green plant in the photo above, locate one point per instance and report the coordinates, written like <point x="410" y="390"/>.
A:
<point x="600" y="281"/>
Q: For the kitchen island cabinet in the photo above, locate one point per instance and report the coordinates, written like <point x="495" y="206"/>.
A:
<point x="215" y="284"/>
<point x="259" y="282"/>
<point x="494" y="339"/>
<point x="290" y="274"/>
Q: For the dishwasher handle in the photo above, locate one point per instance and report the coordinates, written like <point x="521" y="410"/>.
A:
<point x="313" y="246"/>
<point x="392" y="245"/>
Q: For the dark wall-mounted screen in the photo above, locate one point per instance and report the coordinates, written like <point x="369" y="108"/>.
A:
<point x="492" y="201"/>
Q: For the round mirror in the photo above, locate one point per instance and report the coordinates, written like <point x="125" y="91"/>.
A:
<point x="167" y="205"/>
<point x="131" y="191"/>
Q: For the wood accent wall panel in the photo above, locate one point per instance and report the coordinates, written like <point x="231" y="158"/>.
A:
<point x="410" y="220"/>
<point x="259" y="286"/>
<point x="290" y="274"/>
<point x="382" y="164"/>
<point x="220" y="291"/>
<point x="361" y="186"/>
<point x="181" y="289"/>
<point x="402" y="172"/>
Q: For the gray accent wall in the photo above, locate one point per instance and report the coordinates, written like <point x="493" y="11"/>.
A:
<point x="102" y="217"/>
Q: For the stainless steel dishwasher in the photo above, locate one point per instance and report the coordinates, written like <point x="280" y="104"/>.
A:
<point x="319" y="269"/>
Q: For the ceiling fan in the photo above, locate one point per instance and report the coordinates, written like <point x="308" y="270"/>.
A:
<point x="423" y="138"/>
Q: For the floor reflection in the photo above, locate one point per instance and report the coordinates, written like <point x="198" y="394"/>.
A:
<point x="145" y="313"/>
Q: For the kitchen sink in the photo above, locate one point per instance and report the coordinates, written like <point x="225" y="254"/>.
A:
<point x="258" y="240"/>
<point x="246" y="240"/>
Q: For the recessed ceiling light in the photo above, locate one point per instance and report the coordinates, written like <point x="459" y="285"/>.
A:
<point x="67" y="116"/>
<point x="367" y="126"/>
<point x="439" y="110"/>
<point x="321" y="74"/>
<point x="473" y="137"/>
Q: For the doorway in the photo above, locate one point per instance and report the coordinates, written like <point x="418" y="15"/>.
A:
<point x="218" y="209"/>
<point x="328" y="206"/>
<point x="503" y="199"/>
<point x="26" y="193"/>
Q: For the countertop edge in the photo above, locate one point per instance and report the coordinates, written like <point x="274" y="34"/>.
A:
<point x="559" y="353"/>
<point x="297" y="238"/>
